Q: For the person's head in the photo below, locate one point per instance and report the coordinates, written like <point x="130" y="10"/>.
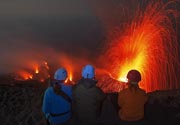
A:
<point x="88" y="72"/>
<point x="134" y="77"/>
<point x="60" y="75"/>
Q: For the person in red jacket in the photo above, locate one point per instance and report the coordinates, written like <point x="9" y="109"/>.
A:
<point x="132" y="100"/>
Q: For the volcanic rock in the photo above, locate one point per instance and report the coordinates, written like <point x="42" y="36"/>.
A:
<point x="21" y="105"/>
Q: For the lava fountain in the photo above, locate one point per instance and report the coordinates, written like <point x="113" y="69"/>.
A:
<point x="149" y="44"/>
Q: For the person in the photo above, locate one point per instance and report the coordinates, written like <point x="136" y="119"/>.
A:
<point x="57" y="101"/>
<point x="132" y="100"/>
<point x="88" y="98"/>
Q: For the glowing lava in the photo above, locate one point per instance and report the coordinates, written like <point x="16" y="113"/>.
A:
<point x="149" y="44"/>
<point x="23" y="75"/>
<point x="69" y="80"/>
<point x="36" y="71"/>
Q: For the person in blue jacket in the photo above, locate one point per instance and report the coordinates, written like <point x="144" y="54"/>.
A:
<point x="57" y="100"/>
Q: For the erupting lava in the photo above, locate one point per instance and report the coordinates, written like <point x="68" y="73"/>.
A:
<point x="69" y="79"/>
<point x="34" y="71"/>
<point x="22" y="74"/>
<point x="40" y="70"/>
<point x="149" y="44"/>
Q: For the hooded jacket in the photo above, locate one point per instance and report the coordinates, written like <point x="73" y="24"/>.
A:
<point x="55" y="104"/>
<point x="88" y="100"/>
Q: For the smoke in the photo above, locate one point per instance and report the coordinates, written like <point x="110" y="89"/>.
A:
<point x="32" y="32"/>
<point x="114" y="13"/>
<point x="20" y="54"/>
<point x="23" y="47"/>
<point x="50" y="32"/>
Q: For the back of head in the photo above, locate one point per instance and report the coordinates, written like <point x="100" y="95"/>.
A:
<point x="134" y="77"/>
<point x="88" y="72"/>
<point x="60" y="74"/>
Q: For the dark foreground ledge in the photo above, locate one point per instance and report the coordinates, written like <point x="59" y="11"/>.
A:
<point x="21" y="105"/>
<point x="163" y="107"/>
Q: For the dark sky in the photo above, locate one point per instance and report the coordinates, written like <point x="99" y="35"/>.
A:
<point x="33" y="29"/>
<point x="29" y="28"/>
<point x="58" y="22"/>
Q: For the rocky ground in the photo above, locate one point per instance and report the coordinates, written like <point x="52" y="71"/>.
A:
<point x="21" y="105"/>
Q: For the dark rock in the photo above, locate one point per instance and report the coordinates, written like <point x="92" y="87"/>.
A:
<point x="22" y="105"/>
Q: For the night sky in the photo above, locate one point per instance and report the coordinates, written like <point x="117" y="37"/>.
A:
<point x="30" y="29"/>
<point x="54" y="23"/>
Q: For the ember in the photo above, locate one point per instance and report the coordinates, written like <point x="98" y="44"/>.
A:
<point x="149" y="44"/>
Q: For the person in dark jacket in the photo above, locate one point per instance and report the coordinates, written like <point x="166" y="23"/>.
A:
<point x="88" y="98"/>
<point x="56" y="102"/>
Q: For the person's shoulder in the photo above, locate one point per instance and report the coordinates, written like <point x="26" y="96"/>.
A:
<point x="67" y="85"/>
<point x="98" y="90"/>
<point x="49" y="90"/>
<point x="143" y="93"/>
<point x="78" y="84"/>
<point x="142" y="90"/>
<point x="124" y="90"/>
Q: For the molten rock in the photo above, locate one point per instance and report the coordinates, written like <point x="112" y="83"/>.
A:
<point x="110" y="85"/>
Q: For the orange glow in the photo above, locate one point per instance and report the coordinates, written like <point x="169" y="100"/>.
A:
<point x="34" y="70"/>
<point x="42" y="80"/>
<point x="108" y="84"/>
<point x="24" y="75"/>
<point x="35" y="67"/>
<point x="123" y="79"/>
<point x="148" y="44"/>
<point x="70" y="76"/>
<point x="37" y="71"/>
<point x="46" y="65"/>
<point x="41" y="71"/>
<point x="136" y="63"/>
<point x="30" y="76"/>
<point x="67" y="64"/>
<point x="66" y="81"/>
